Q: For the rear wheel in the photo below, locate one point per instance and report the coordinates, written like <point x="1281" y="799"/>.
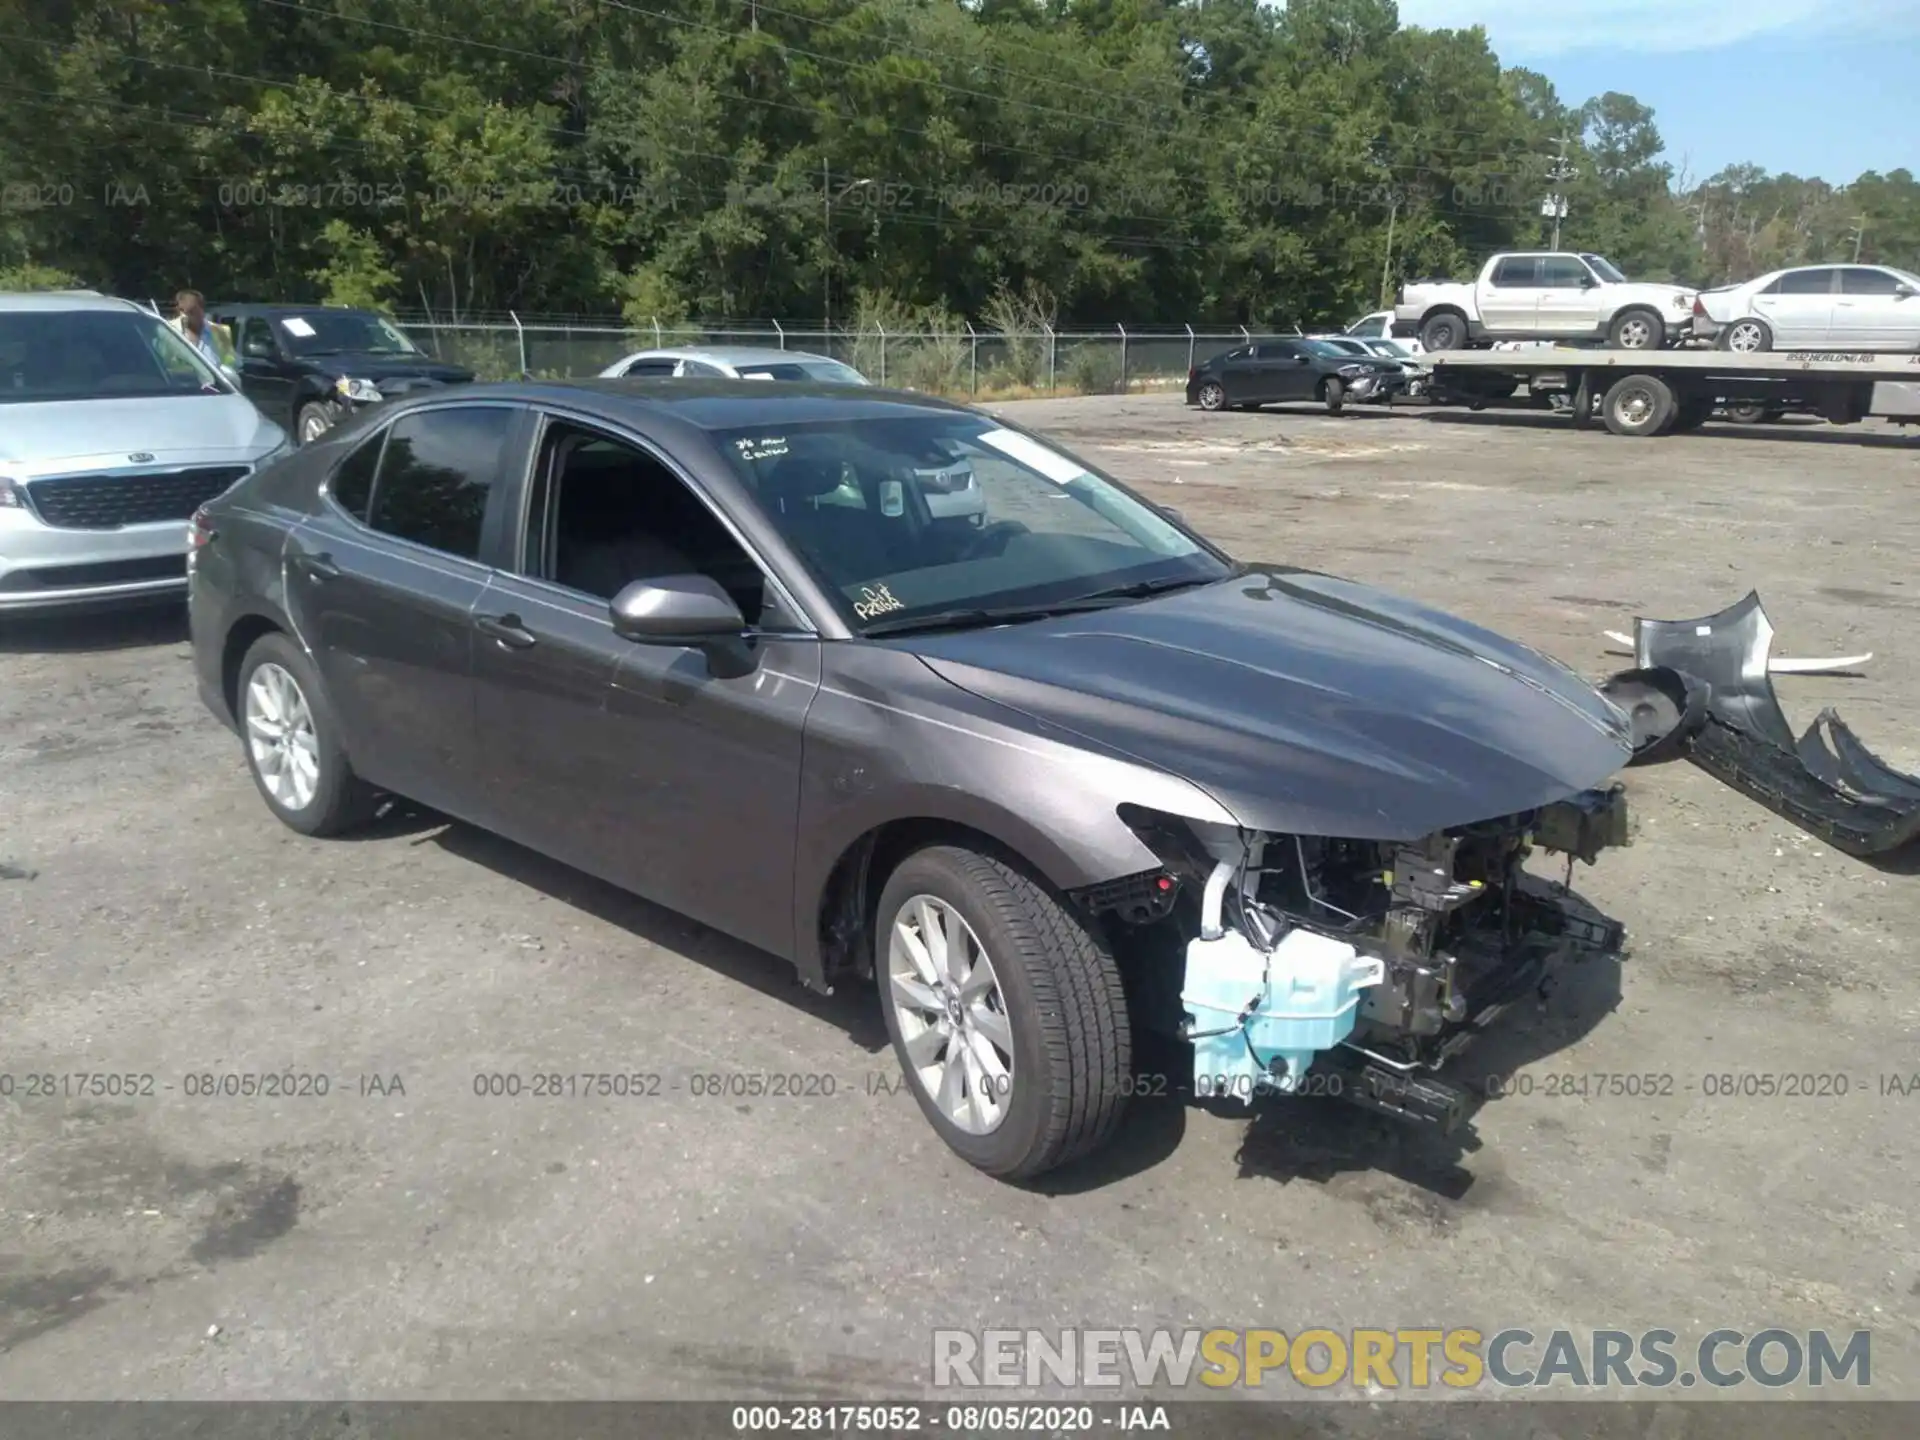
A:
<point x="1747" y="336"/>
<point x="1444" y="330"/>
<point x="1213" y="395"/>
<point x="1638" y="405"/>
<point x="1005" y="1010"/>
<point x="1691" y="414"/>
<point x="292" y="744"/>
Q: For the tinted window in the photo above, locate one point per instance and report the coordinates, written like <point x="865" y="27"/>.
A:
<point x="1520" y="270"/>
<point x="435" y="475"/>
<point x="1806" y="282"/>
<point x="701" y="369"/>
<point x="1274" y="350"/>
<point x="352" y="484"/>
<point x="1858" y="280"/>
<point x="256" y="337"/>
<point x="641" y="369"/>
<point x="1563" y="272"/>
<point x="338" y="332"/>
<point x="50" y="355"/>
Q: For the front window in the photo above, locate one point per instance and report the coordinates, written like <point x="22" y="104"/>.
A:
<point x="868" y="505"/>
<point x="827" y="372"/>
<point x="1329" y="349"/>
<point x="1605" y="269"/>
<point x="335" y="332"/>
<point x="58" y="355"/>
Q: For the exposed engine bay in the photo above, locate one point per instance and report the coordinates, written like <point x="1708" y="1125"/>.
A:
<point x="1357" y="968"/>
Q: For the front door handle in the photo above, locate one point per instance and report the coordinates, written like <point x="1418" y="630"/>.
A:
<point x="507" y="629"/>
<point x="320" y="567"/>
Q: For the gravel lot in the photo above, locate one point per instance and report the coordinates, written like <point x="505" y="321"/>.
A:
<point x="155" y="920"/>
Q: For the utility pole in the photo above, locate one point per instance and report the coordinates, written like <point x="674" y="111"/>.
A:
<point x="1859" y="233"/>
<point x="1555" y="205"/>
<point x="826" y="254"/>
<point x="1386" y="265"/>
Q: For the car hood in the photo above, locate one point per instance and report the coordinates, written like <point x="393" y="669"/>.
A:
<point x="364" y="365"/>
<point x="1306" y="704"/>
<point x="60" y="436"/>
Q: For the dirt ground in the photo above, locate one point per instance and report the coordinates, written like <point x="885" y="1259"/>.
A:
<point x="405" y="1236"/>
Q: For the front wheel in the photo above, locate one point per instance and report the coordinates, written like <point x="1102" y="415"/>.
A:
<point x="1333" y="394"/>
<point x="315" y="420"/>
<point x="1006" y="1012"/>
<point x="1637" y="330"/>
<point x="1213" y="395"/>
<point x="292" y="745"/>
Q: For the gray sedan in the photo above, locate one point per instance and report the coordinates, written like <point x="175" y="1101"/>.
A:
<point x="112" y="432"/>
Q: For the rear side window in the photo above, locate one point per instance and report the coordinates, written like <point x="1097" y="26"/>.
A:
<point x="352" y="484"/>
<point x="1806" y="282"/>
<point x="1859" y="280"/>
<point x="436" y="473"/>
<point x="1517" y="270"/>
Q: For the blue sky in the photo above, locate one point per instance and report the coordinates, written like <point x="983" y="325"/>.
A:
<point x="1815" y="87"/>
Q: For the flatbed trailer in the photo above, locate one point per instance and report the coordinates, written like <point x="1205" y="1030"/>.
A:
<point x="1656" y="392"/>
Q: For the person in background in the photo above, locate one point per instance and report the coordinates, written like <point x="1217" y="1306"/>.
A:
<point x="213" y="341"/>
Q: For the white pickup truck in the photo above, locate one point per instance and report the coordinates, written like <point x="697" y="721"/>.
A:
<point x="1543" y="295"/>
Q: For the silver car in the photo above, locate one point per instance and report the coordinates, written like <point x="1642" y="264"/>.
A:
<point x="113" y="431"/>
<point x="950" y="489"/>
<point x="735" y="362"/>
<point x="1840" y="307"/>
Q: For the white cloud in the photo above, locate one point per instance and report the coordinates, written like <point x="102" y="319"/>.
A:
<point x="1524" y="29"/>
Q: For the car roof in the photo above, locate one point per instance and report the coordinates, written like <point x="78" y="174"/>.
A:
<point x="68" y="300"/>
<point x="729" y="354"/>
<point x="286" y="309"/>
<point x="711" y="404"/>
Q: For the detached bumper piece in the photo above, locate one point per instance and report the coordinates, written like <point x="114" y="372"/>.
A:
<point x="1703" y="689"/>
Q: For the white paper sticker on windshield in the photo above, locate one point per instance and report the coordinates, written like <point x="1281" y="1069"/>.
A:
<point x="294" y="325"/>
<point x="1035" y="456"/>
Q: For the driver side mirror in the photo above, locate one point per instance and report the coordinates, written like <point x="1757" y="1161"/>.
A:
<point x="1173" y="514"/>
<point x="685" y="611"/>
<point x="1904" y="291"/>
<point x="1302" y="359"/>
<point x="256" y="348"/>
<point x="1587" y="282"/>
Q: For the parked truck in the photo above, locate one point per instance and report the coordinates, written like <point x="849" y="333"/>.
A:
<point x="1559" y="295"/>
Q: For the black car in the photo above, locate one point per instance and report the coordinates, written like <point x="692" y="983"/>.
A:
<point x="1291" y="368"/>
<point x="1042" y="779"/>
<point x="307" y="366"/>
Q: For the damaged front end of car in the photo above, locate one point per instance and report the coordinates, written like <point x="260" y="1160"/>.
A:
<point x="1358" y="968"/>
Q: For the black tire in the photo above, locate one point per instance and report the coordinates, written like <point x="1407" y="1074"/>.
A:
<point x="1212" y="395"/>
<point x="1637" y="328"/>
<point x="340" y="800"/>
<point x="1691" y="414"/>
<point x="1064" y="1004"/>
<point x="1333" y="394"/>
<point x="1638" y="405"/>
<point x="1444" y="330"/>
<point x="1748" y="335"/>
<point x="1750" y="412"/>
<point x="316" y="417"/>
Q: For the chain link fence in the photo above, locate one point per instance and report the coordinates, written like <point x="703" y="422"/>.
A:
<point x="968" y="363"/>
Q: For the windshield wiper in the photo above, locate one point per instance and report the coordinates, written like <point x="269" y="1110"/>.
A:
<point x="977" y="617"/>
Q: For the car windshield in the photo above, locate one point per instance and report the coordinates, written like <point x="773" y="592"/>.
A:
<point x="830" y="372"/>
<point x="1391" y="347"/>
<point x="1329" y="347"/>
<point x="864" y="504"/>
<point x="326" y="332"/>
<point x="50" y="355"/>
<point x="1605" y="269"/>
<point x="1348" y="347"/>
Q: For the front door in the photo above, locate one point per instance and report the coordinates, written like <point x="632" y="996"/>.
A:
<point x="1871" y="313"/>
<point x="381" y="586"/>
<point x="1287" y="370"/>
<point x="265" y="376"/>
<point x="1566" y="303"/>
<point x="1510" y="300"/>
<point x="640" y="763"/>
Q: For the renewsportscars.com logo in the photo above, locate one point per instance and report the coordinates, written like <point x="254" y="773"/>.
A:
<point x="1401" y="1359"/>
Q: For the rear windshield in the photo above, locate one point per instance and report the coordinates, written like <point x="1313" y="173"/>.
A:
<point x="58" y="355"/>
<point x="830" y="372"/>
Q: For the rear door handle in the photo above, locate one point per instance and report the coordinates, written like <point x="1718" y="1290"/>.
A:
<point x="507" y="629"/>
<point x="320" y="567"/>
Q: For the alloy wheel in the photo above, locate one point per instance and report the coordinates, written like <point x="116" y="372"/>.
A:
<point x="312" y="427"/>
<point x="281" y="738"/>
<point x="951" y="1013"/>
<point x="1743" y="338"/>
<point x="1635" y="334"/>
<point x="1212" y="395"/>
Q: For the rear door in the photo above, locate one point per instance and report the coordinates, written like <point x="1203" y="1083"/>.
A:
<point x="265" y="376"/>
<point x="1798" y="307"/>
<point x="1510" y="300"/>
<point x="382" y="583"/>
<point x="1240" y="376"/>
<point x="1870" y="312"/>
